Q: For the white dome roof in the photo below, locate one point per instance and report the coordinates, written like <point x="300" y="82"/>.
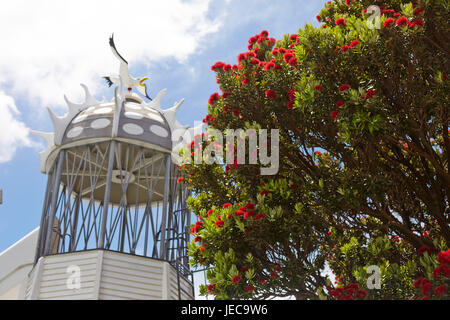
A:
<point x="136" y="122"/>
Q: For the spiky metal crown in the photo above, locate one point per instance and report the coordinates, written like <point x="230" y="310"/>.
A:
<point x="125" y="118"/>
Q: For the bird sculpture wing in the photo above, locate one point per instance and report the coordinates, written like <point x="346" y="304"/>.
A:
<point x="125" y="75"/>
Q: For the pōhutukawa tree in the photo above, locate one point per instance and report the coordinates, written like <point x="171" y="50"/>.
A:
<point x="362" y="108"/>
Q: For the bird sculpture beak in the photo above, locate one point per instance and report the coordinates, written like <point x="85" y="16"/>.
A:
<point x="142" y="80"/>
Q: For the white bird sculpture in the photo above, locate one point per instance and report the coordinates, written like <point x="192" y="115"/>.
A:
<point x="127" y="81"/>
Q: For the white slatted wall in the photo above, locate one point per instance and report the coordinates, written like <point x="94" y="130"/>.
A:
<point x="105" y="275"/>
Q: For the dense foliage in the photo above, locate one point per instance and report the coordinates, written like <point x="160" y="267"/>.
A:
<point x="362" y="109"/>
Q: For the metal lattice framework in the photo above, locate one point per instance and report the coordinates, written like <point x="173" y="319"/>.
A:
<point x="117" y="196"/>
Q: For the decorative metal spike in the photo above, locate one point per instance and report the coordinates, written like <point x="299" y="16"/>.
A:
<point x="89" y="99"/>
<point x="156" y="102"/>
<point x="73" y="107"/>
<point x="177" y="105"/>
<point x="59" y="124"/>
<point x="170" y="114"/>
<point x="49" y="137"/>
<point x="57" y="121"/>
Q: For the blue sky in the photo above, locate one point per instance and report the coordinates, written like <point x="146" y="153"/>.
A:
<point x="50" y="47"/>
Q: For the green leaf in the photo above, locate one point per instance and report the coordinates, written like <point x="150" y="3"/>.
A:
<point x="250" y="274"/>
<point x="233" y="272"/>
<point x="240" y="225"/>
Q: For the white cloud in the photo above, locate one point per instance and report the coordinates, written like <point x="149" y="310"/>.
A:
<point x="49" y="47"/>
<point x="13" y="133"/>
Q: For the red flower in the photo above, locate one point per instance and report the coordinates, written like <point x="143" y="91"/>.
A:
<point x="427" y="249"/>
<point x="197" y="227"/>
<point x="334" y="114"/>
<point x="248" y="214"/>
<point x="361" y="294"/>
<point x="345" y="48"/>
<point x="213" y="98"/>
<point x="197" y="239"/>
<point x="288" y="56"/>
<point x="290" y="104"/>
<point x="340" y="22"/>
<point x="209" y="212"/>
<point x="264" y="33"/>
<point x="226" y="67"/>
<point x="443" y="269"/>
<point x="226" y="205"/>
<point x="262" y="280"/>
<point x="236" y="279"/>
<point x="344" y="87"/>
<point x="235" y="112"/>
<point x="219" y="223"/>
<point x="340" y="103"/>
<point x="269" y="65"/>
<point x="260" y="216"/>
<point x="354" y="43"/>
<point x="249" y="288"/>
<point x="238" y="213"/>
<point x="271" y="94"/>
<point x="418" y="11"/>
<point x="418" y="283"/>
<point x="250" y="206"/>
<point x="245" y="81"/>
<point x="440" y="290"/>
<point x="242" y="56"/>
<point x="444" y="256"/>
<point x="387" y="11"/>
<point x="318" y="88"/>
<point x="402" y="21"/>
<point x="201" y="248"/>
<point x="426" y="287"/>
<point x="370" y="93"/>
<point x="347" y="2"/>
<point x="273" y="275"/>
<point x="217" y="66"/>
<point x="264" y="192"/>
<point x="180" y="179"/>
<point x="388" y="22"/>
<point x="211" y="288"/>
<point x="291" y="94"/>
<point x="417" y="22"/>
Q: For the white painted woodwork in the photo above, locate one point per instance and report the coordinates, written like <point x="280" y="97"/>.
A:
<point x="106" y="275"/>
